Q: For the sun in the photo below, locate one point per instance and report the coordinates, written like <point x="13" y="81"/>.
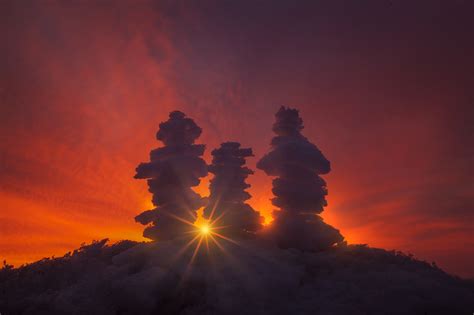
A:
<point x="205" y="229"/>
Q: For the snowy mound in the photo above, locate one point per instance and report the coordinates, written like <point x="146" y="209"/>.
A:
<point x="251" y="277"/>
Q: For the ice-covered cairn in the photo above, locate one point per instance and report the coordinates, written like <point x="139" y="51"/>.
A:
<point x="227" y="200"/>
<point x="299" y="191"/>
<point x="171" y="172"/>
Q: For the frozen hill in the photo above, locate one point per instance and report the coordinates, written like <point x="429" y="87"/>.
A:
<point x="253" y="277"/>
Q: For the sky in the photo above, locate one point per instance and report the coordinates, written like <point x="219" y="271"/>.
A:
<point x="385" y="89"/>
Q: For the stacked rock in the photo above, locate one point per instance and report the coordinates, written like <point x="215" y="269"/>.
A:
<point x="227" y="199"/>
<point x="171" y="172"/>
<point x="299" y="190"/>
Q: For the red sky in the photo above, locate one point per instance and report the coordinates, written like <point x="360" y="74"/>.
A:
<point x="385" y="91"/>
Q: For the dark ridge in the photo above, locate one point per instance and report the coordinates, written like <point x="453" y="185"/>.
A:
<point x="254" y="277"/>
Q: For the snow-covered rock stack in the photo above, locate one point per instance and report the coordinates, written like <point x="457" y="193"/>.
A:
<point x="227" y="200"/>
<point x="171" y="172"/>
<point x="300" y="191"/>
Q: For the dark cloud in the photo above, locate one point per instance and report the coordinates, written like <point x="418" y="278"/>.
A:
<point x="253" y="278"/>
<point x="300" y="192"/>
<point x="171" y="173"/>
<point x="227" y="207"/>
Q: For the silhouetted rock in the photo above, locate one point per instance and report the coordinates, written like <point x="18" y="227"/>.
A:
<point x="227" y="200"/>
<point x="171" y="172"/>
<point x="300" y="192"/>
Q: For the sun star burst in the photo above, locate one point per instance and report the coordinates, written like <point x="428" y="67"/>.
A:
<point x="205" y="229"/>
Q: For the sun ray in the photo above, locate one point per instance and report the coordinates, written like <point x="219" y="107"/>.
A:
<point x="207" y="244"/>
<point x="220" y="216"/>
<point x="226" y="238"/>
<point x="196" y="250"/>
<point x="179" y="218"/>
<point x="217" y="244"/>
<point x="185" y="247"/>
<point x="214" y="208"/>
<point x="213" y="228"/>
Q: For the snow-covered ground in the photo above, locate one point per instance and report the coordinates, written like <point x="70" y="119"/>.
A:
<point x="251" y="277"/>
